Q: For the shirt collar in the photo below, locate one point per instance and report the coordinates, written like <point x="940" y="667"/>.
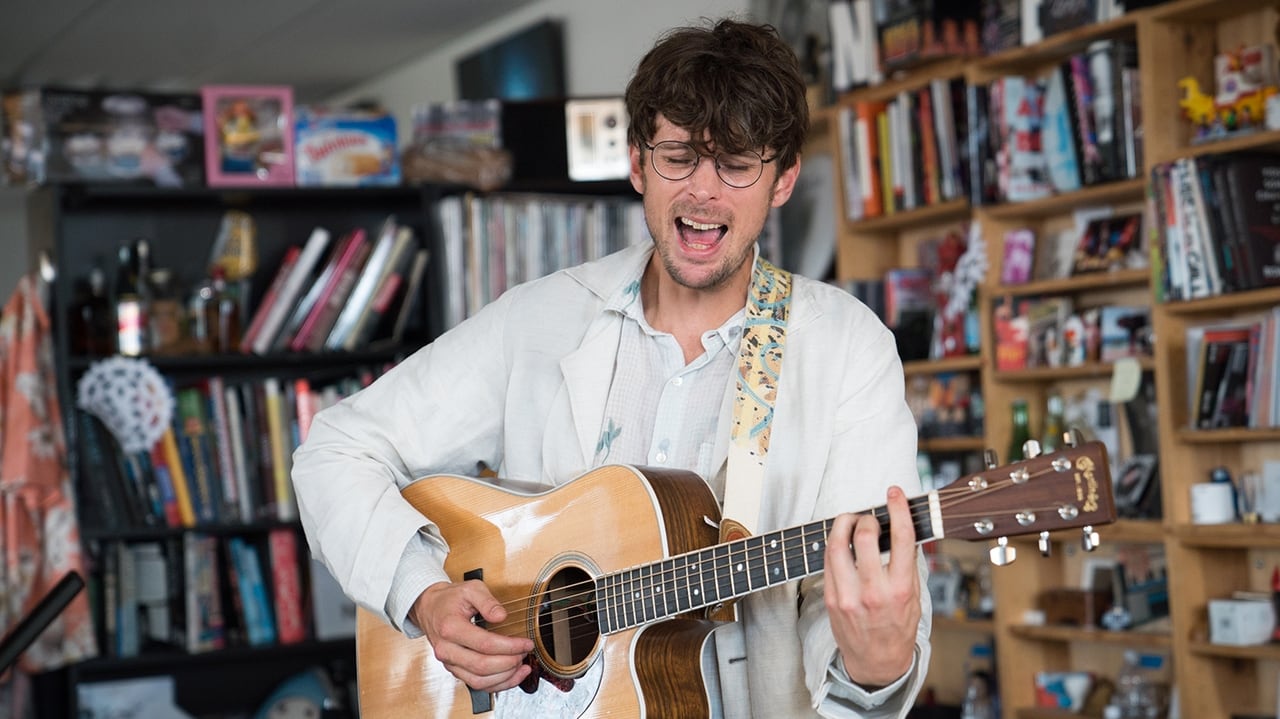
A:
<point x="627" y="302"/>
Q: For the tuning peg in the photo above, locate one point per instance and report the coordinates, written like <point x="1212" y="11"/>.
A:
<point x="1071" y="437"/>
<point x="1031" y="449"/>
<point x="990" y="459"/>
<point x="1089" y="538"/>
<point x="1002" y="554"/>
<point x="1046" y="548"/>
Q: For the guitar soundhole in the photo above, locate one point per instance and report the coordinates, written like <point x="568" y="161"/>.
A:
<point x="567" y="629"/>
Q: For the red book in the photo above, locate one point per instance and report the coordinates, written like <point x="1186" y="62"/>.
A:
<point x="271" y="296"/>
<point x="346" y="269"/>
<point x="286" y="585"/>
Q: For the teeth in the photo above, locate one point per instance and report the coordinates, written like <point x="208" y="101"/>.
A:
<point x="698" y="225"/>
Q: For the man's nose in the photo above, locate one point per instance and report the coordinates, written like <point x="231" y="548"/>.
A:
<point x="705" y="182"/>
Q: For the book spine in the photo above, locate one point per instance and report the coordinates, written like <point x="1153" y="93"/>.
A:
<point x="274" y="294"/>
<point x="290" y="290"/>
<point x="365" y="286"/>
<point x="215" y="391"/>
<point x="286" y="582"/>
<point x="279" y="449"/>
<point x="164" y="480"/>
<point x="181" y="482"/>
<point x="333" y="290"/>
<point x="239" y="462"/>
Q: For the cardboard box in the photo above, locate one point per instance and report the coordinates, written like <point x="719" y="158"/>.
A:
<point x="1240" y="622"/>
<point x="345" y="148"/>
<point x="59" y="135"/>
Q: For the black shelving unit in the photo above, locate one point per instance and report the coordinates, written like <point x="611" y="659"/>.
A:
<point x="80" y="225"/>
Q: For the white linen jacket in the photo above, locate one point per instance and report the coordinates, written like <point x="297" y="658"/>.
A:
<point x="522" y="387"/>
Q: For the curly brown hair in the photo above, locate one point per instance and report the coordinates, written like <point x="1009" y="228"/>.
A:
<point x="737" y="83"/>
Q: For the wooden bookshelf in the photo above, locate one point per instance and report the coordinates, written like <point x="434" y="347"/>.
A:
<point x="1111" y="193"/>
<point x="906" y="219"/>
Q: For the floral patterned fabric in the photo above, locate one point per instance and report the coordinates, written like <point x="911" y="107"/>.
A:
<point x="39" y="534"/>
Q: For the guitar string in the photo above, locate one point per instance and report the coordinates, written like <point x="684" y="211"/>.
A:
<point x="591" y="628"/>
<point x="639" y="605"/>
<point x="948" y="498"/>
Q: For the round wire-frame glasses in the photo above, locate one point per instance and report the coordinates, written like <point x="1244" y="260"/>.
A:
<point x="675" y="160"/>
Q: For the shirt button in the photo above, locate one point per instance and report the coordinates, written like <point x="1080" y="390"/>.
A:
<point x="678" y="381"/>
<point x="660" y="458"/>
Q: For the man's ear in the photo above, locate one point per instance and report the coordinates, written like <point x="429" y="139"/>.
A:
<point x="637" y="170"/>
<point x="785" y="184"/>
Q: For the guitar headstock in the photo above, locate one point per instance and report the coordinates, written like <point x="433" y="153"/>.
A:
<point x="1066" y="489"/>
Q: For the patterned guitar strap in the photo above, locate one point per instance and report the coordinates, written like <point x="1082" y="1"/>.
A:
<point x="759" y="365"/>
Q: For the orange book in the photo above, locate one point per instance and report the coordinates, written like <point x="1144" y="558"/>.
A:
<point x="869" y="174"/>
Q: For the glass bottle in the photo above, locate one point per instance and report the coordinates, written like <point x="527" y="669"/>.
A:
<point x="980" y="699"/>
<point x="215" y="315"/>
<point x="166" y="313"/>
<point x="1053" y="425"/>
<point x="1021" y="429"/>
<point x="1134" y="695"/>
<point x="92" y="332"/>
<point x="130" y="302"/>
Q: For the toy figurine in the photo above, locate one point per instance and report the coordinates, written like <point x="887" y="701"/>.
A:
<point x="1244" y="79"/>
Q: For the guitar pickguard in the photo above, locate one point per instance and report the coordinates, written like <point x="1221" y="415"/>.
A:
<point x="549" y="700"/>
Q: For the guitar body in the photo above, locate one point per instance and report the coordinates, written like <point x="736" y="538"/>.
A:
<point x="534" y="551"/>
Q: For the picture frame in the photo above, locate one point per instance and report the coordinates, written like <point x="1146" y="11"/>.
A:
<point x="1108" y="243"/>
<point x="248" y="132"/>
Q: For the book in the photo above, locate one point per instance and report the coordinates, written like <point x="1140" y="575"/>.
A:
<point x="366" y="281"/>
<point x="383" y="290"/>
<point x="270" y="297"/>
<point x="944" y="121"/>
<point x="259" y="621"/>
<point x="1061" y="152"/>
<point x="181" y="483"/>
<point x="204" y="618"/>
<point x="341" y="279"/>
<point x="214" y="390"/>
<point x="1208" y="352"/>
<point x="1254" y="182"/>
<point x="193" y="432"/>
<point x="318" y="284"/>
<point x="870" y="159"/>
<point x="847" y="127"/>
<point x="281" y="447"/>
<point x="238" y="457"/>
<point x="1019" y="255"/>
<point x="409" y="296"/>
<point x="164" y="480"/>
<point x="286" y="585"/>
<point x="290" y="290"/>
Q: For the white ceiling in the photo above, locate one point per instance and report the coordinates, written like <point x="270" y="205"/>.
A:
<point x="319" y="47"/>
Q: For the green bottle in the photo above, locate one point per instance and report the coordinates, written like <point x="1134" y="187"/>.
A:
<point x="1053" y="428"/>
<point x="1021" y="430"/>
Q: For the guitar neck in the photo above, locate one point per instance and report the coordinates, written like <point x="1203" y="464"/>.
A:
<point x="653" y="592"/>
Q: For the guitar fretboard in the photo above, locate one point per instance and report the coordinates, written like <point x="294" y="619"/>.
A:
<point x="652" y="592"/>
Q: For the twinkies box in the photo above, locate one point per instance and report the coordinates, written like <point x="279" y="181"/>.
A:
<point x="55" y="135"/>
<point x="345" y="148"/>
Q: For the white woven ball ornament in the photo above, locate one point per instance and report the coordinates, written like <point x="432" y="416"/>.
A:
<point x="131" y="399"/>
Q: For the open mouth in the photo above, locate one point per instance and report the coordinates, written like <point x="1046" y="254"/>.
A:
<point x="699" y="236"/>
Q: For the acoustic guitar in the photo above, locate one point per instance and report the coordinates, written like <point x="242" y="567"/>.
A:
<point x="613" y="575"/>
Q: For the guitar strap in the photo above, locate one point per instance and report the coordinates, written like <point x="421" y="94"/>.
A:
<point x="759" y="364"/>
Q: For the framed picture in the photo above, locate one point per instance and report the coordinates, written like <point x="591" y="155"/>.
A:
<point x="248" y="132"/>
<point x="1108" y="243"/>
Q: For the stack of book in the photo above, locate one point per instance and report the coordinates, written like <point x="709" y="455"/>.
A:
<point x="339" y="295"/>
